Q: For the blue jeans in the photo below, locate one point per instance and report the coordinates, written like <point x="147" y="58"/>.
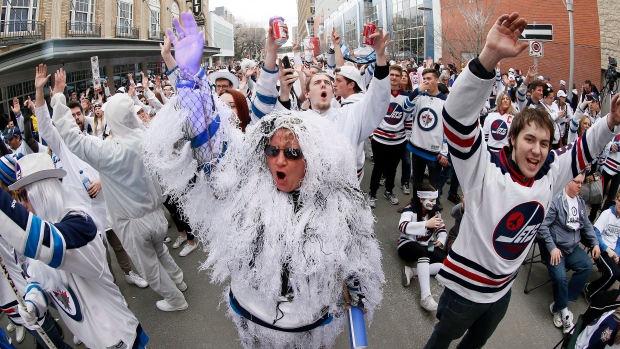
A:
<point x="51" y="329"/>
<point x="447" y="172"/>
<point x="457" y="315"/>
<point x="405" y="167"/>
<point x="564" y="291"/>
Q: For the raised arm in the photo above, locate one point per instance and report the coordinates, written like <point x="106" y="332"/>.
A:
<point x="336" y="39"/>
<point x="469" y="94"/>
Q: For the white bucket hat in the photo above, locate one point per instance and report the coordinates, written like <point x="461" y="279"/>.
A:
<point x="35" y="167"/>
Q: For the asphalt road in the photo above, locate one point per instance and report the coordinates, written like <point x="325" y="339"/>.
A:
<point x="399" y="323"/>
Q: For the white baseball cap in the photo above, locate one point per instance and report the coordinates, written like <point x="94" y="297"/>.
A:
<point x="352" y="73"/>
<point x="561" y="93"/>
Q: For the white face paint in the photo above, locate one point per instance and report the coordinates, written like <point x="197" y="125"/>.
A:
<point x="428" y="204"/>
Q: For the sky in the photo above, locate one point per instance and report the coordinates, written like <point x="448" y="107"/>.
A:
<point x="259" y="11"/>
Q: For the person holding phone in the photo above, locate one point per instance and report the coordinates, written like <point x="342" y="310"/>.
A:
<point x="422" y="238"/>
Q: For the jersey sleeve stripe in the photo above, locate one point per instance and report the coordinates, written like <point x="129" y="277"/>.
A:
<point x="461" y="142"/>
<point x="34" y="236"/>
<point x="465" y="155"/>
<point x="457" y="126"/>
<point x="481" y="289"/>
<point x="59" y="248"/>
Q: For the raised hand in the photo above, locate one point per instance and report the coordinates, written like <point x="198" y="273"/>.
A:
<point x="60" y="81"/>
<point x="336" y="39"/>
<point x="503" y="40"/>
<point x="188" y="45"/>
<point x="16" y="109"/>
<point x="40" y="76"/>
<point x="132" y="90"/>
<point x="614" y="114"/>
<point x="531" y="74"/>
<point x="381" y="42"/>
<point x="157" y="83"/>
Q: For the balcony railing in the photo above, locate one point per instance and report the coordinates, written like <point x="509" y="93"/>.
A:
<point x="83" y="30"/>
<point x="21" y="32"/>
<point x="127" y="32"/>
<point x="156" y="35"/>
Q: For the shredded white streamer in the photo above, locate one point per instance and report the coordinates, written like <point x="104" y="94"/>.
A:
<point x="250" y="229"/>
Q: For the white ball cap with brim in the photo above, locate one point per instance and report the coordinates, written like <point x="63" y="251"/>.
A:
<point x="35" y="167"/>
<point x="352" y="73"/>
<point x="225" y="74"/>
<point x="561" y="93"/>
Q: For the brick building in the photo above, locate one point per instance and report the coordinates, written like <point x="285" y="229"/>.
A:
<point x="124" y="34"/>
<point x="555" y="62"/>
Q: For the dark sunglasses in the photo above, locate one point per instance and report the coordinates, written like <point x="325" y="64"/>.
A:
<point x="289" y="153"/>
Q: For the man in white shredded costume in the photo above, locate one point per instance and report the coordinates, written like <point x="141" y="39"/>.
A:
<point x="278" y="209"/>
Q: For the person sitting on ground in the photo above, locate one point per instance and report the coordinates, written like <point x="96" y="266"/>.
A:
<point x="607" y="228"/>
<point x="422" y="238"/>
<point x="565" y="225"/>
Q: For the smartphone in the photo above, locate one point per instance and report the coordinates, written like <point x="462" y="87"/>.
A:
<point x="589" y="97"/>
<point x="286" y="63"/>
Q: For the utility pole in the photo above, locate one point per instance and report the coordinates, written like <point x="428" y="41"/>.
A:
<point x="569" y="7"/>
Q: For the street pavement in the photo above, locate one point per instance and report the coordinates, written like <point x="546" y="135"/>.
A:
<point x="399" y="323"/>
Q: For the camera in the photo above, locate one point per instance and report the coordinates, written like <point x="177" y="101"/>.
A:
<point x="611" y="75"/>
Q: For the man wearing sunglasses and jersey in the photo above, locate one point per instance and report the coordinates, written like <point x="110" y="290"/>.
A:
<point x="304" y="237"/>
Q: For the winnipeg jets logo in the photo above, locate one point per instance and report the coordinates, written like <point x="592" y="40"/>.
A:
<point x="62" y="297"/>
<point x="427" y="119"/>
<point x="516" y="230"/>
<point x="499" y="130"/>
<point x="606" y="335"/>
<point x="67" y="301"/>
<point x="394" y="114"/>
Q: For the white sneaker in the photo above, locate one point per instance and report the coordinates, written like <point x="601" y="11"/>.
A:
<point x="179" y="241"/>
<point x="372" y="201"/>
<point x="189" y="248"/>
<point x="407" y="274"/>
<point x="10" y="327"/>
<point x="557" y="317"/>
<point x="135" y="279"/>
<point x="182" y="286"/>
<point x="164" y="305"/>
<point x="20" y="333"/>
<point x="429" y="303"/>
<point x="391" y="197"/>
<point x="567" y="322"/>
<point x="167" y="239"/>
<point x="405" y="189"/>
<point x="76" y="340"/>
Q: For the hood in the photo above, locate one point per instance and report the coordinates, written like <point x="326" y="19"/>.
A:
<point x="121" y="117"/>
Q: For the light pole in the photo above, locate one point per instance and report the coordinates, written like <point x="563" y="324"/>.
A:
<point x="569" y="7"/>
<point x="424" y="23"/>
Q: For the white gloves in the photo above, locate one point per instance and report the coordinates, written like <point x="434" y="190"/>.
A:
<point x="28" y="314"/>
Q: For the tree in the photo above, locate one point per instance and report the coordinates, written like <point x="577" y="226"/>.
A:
<point x="249" y="40"/>
<point x="465" y="25"/>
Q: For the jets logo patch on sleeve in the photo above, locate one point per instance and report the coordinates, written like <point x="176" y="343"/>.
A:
<point x="514" y="232"/>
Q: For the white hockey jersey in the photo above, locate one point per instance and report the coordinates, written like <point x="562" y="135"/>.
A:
<point x="506" y="208"/>
<point x="396" y="125"/>
<point x="13" y="263"/>
<point x="496" y="129"/>
<point x="600" y="334"/>
<point x="90" y="304"/>
<point x="426" y="131"/>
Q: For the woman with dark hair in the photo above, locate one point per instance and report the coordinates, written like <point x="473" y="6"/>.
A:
<point x="422" y="238"/>
<point x="405" y="82"/>
<point x="239" y="105"/>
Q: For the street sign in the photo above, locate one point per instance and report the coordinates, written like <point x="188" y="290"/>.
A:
<point x="536" y="49"/>
<point x="200" y="20"/>
<point x="539" y="32"/>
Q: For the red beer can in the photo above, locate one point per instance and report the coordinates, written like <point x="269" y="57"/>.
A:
<point x="279" y="35"/>
<point x="369" y="29"/>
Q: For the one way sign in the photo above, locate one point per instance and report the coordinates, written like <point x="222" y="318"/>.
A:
<point x="539" y="32"/>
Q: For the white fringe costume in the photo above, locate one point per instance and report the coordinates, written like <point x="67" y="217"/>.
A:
<point x="251" y="230"/>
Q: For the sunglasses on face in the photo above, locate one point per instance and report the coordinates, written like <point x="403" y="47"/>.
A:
<point x="289" y="153"/>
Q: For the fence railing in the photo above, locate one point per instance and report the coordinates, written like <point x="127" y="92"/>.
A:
<point x="83" y="30"/>
<point x="21" y="32"/>
<point x="156" y="35"/>
<point x="127" y="32"/>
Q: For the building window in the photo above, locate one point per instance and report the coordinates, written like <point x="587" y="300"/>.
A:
<point x="350" y="36"/>
<point x="312" y="10"/>
<point x="154" y="18"/>
<point x="82" y="13"/>
<point x="174" y="9"/>
<point x="17" y="14"/>
<point x="408" y="30"/>
<point x="125" y="16"/>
